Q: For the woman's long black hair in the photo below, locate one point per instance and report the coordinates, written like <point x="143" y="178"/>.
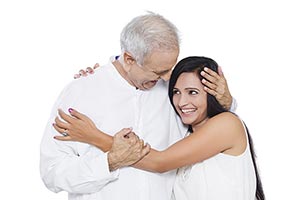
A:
<point x="196" y="64"/>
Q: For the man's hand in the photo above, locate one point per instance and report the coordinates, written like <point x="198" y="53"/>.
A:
<point x="86" y="72"/>
<point x="126" y="150"/>
<point x="216" y="85"/>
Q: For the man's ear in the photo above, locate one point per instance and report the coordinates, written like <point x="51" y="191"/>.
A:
<point x="128" y="61"/>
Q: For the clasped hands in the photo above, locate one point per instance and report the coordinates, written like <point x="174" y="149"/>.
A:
<point x="125" y="148"/>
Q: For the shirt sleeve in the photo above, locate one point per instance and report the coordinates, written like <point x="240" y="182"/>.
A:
<point x="234" y="105"/>
<point x="62" y="168"/>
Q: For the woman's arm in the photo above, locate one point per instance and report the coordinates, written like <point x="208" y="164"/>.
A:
<point x="79" y="127"/>
<point x="222" y="133"/>
<point x="125" y="148"/>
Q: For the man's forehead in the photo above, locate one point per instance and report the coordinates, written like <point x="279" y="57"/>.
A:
<point x="161" y="61"/>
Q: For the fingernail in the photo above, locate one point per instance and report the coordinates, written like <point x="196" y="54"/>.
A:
<point x="70" y="110"/>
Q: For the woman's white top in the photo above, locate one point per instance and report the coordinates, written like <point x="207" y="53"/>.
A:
<point x="221" y="177"/>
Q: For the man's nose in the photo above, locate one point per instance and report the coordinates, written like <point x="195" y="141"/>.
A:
<point x="166" y="76"/>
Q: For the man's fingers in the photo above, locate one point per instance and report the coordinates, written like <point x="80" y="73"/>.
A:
<point x="210" y="75"/>
<point x="210" y="72"/>
<point x="220" y="71"/>
<point x="142" y="143"/>
<point x="210" y="91"/>
<point x="209" y="84"/>
<point x="133" y="138"/>
<point x="146" y="150"/>
<point x="123" y="133"/>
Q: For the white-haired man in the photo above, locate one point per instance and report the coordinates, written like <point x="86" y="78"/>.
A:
<point x="129" y="91"/>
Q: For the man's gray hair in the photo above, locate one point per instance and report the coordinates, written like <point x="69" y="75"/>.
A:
<point x="147" y="33"/>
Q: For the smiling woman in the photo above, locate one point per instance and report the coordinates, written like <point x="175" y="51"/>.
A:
<point x="217" y="145"/>
<point x="220" y="146"/>
<point x="43" y="43"/>
<point x="190" y="99"/>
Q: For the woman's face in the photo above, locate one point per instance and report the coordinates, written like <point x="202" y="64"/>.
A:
<point x="190" y="99"/>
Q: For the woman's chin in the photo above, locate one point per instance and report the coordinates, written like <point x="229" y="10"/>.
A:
<point x="187" y="122"/>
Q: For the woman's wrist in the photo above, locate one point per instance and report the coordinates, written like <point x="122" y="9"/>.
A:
<point x="101" y="140"/>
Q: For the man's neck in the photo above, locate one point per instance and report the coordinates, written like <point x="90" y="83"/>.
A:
<point x="122" y="72"/>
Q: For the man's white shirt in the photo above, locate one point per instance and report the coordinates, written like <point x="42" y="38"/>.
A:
<point x="113" y="104"/>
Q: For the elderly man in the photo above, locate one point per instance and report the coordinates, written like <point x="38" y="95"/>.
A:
<point x="129" y="91"/>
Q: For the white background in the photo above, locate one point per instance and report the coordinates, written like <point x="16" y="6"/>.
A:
<point x="43" y="43"/>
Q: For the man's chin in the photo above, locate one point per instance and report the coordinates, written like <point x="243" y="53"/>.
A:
<point x="150" y="84"/>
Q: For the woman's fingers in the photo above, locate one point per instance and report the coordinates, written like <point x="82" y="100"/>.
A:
<point x="96" y="66"/>
<point x="64" y="133"/>
<point x="76" y="114"/>
<point x="59" y="123"/>
<point x="64" y="116"/>
<point x="87" y="71"/>
<point x="63" y="138"/>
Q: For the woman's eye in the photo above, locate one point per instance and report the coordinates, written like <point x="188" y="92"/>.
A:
<point x="193" y="92"/>
<point x="176" y="92"/>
